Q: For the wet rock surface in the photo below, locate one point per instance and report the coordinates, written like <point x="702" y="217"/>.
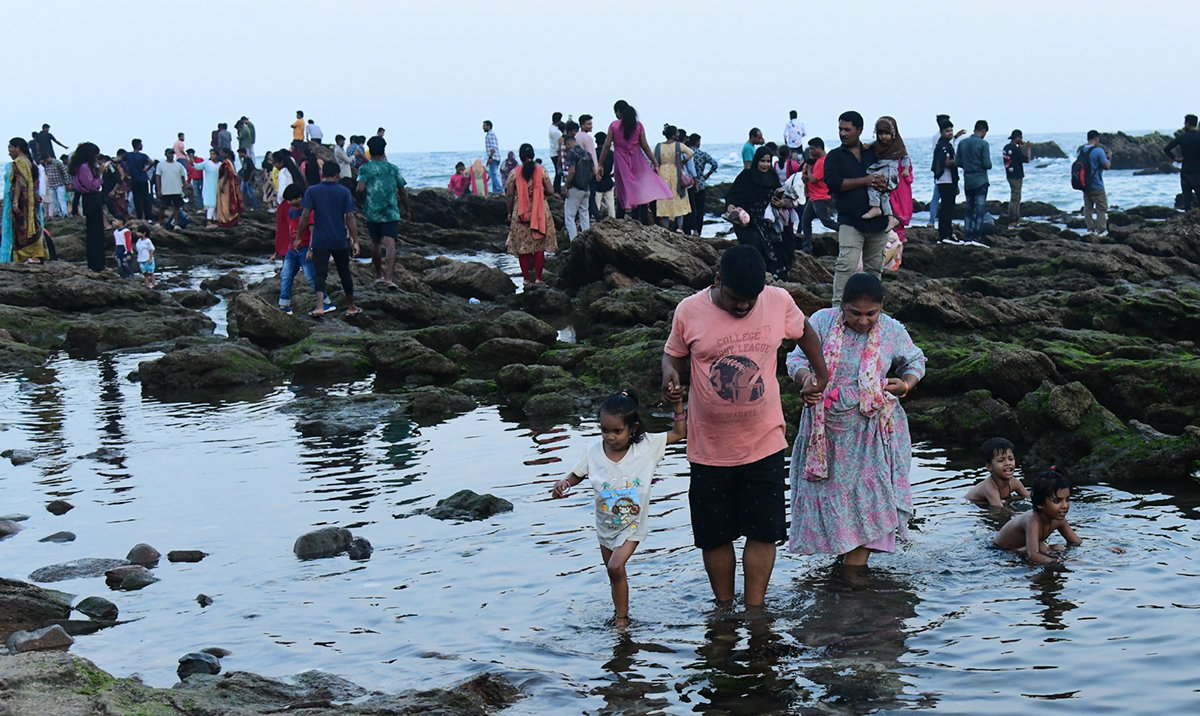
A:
<point x="25" y="607"/>
<point x="466" y="506"/>
<point x="325" y="542"/>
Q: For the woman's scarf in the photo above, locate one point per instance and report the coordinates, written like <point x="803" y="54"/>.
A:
<point x="21" y="200"/>
<point x="479" y="179"/>
<point x="891" y="150"/>
<point x="752" y="187"/>
<point x="872" y="398"/>
<point x="532" y="209"/>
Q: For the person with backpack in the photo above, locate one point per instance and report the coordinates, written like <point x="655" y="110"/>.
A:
<point x="577" y="164"/>
<point x="671" y="155"/>
<point x="1087" y="175"/>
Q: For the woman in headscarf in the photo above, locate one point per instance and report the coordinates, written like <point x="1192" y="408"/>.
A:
<point x="636" y="184"/>
<point x="288" y="174"/>
<point x="509" y="164"/>
<point x="88" y="180"/>
<point x="21" y="240"/>
<point x="758" y="193"/>
<point x="531" y="228"/>
<point x="229" y="192"/>
<point x="672" y="157"/>
<point x="849" y="474"/>
<point x="477" y="179"/>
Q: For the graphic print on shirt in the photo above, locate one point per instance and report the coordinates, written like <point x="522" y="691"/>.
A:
<point x="621" y="505"/>
<point x="737" y="378"/>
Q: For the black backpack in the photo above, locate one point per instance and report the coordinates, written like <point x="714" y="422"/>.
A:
<point x="583" y="173"/>
<point x="1081" y="171"/>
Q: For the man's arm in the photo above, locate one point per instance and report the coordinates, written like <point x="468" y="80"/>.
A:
<point x="986" y="151"/>
<point x="1170" y="146"/>
<point x="403" y="194"/>
<point x="55" y="140"/>
<point x="838" y="183"/>
<point x="352" y="229"/>
<point x="672" y="368"/>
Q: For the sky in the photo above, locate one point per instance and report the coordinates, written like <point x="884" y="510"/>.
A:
<point x="430" y="71"/>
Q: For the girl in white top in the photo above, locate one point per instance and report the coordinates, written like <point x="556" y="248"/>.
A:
<point x="621" y="468"/>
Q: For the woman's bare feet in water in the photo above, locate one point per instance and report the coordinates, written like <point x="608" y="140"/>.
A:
<point x="872" y="213"/>
<point x="621" y="622"/>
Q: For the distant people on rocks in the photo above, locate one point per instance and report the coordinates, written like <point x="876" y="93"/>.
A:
<point x="585" y="139"/>
<point x="329" y="207"/>
<point x="570" y="129"/>
<point x="246" y="137"/>
<point x="794" y="134"/>
<point x="298" y="258"/>
<point x="752" y="144"/>
<point x="310" y="164"/>
<point x="933" y="202"/>
<point x="287" y="174"/>
<point x="85" y="172"/>
<point x="229" y="192"/>
<point x="578" y="166"/>
<point x="179" y="149"/>
<point x="975" y="159"/>
<point x="846" y="175"/>
<point x="637" y="180"/>
<point x="510" y="163"/>
<point x="820" y="204"/>
<point x="145" y="255"/>
<point x="459" y="181"/>
<point x="298" y="127"/>
<point x="556" y="133"/>
<point x="212" y="172"/>
<point x="54" y="202"/>
<point x="705" y="166"/>
<point x="945" y="173"/>
<point x="21" y="240"/>
<point x="171" y="177"/>
<point x="606" y="198"/>
<point x="1016" y="154"/>
<point x="1095" y="201"/>
<point x="313" y="132"/>
<point x="224" y="138"/>
<point x="491" y="148"/>
<point x="380" y="183"/>
<point x="139" y="178"/>
<point x="195" y="178"/>
<point x="671" y="155"/>
<point x="531" y="227"/>
<point x="900" y="198"/>
<point x="753" y="199"/>
<point x="44" y="143"/>
<point x="345" y="164"/>
<point x="247" y="173"/>
<point x="1188" y="142"/>
<point x="477" y="179"/>
<point x="113" y="186"/>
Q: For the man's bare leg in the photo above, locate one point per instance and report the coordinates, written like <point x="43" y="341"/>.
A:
<point x="721" y="565"/>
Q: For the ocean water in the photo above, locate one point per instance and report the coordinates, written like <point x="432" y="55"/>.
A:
<point x="948" y="623"/>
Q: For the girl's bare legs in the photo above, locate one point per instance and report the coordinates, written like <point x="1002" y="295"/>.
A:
<point x="614" y="560"/>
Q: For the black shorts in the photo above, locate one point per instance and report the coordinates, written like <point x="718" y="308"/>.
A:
<point x="380" y="229"/>
<point x="740" y="501"/>
<point x="172" y="200"/>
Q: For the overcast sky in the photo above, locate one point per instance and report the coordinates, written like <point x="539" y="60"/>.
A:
<point x="429" y="71"/>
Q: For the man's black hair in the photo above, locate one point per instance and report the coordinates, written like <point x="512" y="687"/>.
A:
<point x="792" y="114"/>
<point x="1190" y="120"/>
<point x="330" y="169"/>
<point x="292" y="192"/>
<point x="583" y="118"/>
<point x="743" y="270"/>
<point x="981" y="125"/>
<point x="376" y="145"/>
<point x="995" y="446"/>
<point x="817" y="142"/>
<point x="852" y="117"/>
<point x="1093" y="134"/>
<point x="754" y="131"/>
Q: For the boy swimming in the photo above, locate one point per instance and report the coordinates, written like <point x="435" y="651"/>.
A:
<point x="997" y="489"/>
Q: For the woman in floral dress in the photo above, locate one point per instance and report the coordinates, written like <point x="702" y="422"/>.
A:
<point x="849" y="474"/>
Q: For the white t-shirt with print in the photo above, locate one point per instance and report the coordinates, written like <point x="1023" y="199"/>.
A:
<point x="622" y="488"/>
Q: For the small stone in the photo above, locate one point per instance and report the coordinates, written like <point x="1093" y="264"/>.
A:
<point x="186" y="555"/>
<point x="98" y="608"/>
<point x="197" y="662"/>
<point x="116" y="575"/>
<point x="143" y="554"/>
<point x="8" y="527"/>
<point x="136" y="581"/>
<point x="360" y="549"/>
<point x="325" y="542"/>
<point x="59" y="537"/>
<point x="81" y="627"/>
<point x="20" y="457"/>
<point x="15" y="517"/>
<point x="59" y="507"/>
<point x="51" y="637"/>
<point x="216" y="651"/>
<point x="204" y="600"/>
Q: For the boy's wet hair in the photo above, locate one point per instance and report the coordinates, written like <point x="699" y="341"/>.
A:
<point x="624" y="405"/>
<point x="292" y="192"/>
<point x="994" y="447"/>
<point x="1047" y="484"/>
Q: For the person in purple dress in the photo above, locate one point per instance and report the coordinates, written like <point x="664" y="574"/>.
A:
<point x="637" y="180"/>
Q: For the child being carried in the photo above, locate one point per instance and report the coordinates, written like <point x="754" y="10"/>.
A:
<point x="890" y="153"/>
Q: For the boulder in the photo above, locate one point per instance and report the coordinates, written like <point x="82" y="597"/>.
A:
<point x="325" y="542"/>
<point x="541" y="300"/>
<point x="432" y="401"/>
<point x="965" y="420"/>
<point x="98" y="608"/>
<point x="26" y="606"/>
<point x="467" y="506"/>
<point x="401" y="356"/>
<point x="136" y="581"/>
<point x="264" y="324"/>
<point x="20" y="456"/>
<point x="77" y="569"/>
<point x="335" y="415"/>
<point x="59" y="537"/>
<point x="197" y="662"/>
<point x="194" y="299"/>
<point x="45" y="639"/>
<point x="186" y="555"/>
<point x="143" y="554"/>
<point x="649" y="253"/>
<point x="499" y="352"/>
<point x="15" y="355"/>
<point x="1045" y="150"/>
<point x="216" y="651"/>
<point x="15" y="517"/>
<point x="1144" y="152"/>
<point x="325" y="356"/>
<point x="214" y="365"/>
<point x="470" y="279"/>
<point x="204" y="600"/>
<point x="229" y="281"/>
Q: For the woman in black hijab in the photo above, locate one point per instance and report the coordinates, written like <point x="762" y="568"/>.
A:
<point x="757" y="190"/>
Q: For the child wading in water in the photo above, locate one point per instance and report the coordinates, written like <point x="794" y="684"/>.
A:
<point x="621" y="468"/>
<point x="889" y="154"/>
<point x="998" y="488"/>
<point x="1027" y="532"/>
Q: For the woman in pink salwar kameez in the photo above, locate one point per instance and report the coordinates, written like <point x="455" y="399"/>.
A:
<point x="635" y="171"/>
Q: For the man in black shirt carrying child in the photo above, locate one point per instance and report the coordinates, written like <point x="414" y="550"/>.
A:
<point x="847" y="179"/>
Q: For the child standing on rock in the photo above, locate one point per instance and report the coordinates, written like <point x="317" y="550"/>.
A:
<point x="123" y="248"/>
<point x="145" y="254"/>
<point x="621" y="467"/>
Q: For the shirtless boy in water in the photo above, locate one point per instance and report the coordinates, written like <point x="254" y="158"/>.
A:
<point x="998" y="488"/>
<point x="1027" y="532"/>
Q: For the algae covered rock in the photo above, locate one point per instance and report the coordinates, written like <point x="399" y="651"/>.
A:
<point x="213" y="365"/>
<point x="26" y="606"/>
<point x="466" y="506"/>
<point x="470" y="279"/>
<point x="264" y="324"/>
<point x="649" y="253"/>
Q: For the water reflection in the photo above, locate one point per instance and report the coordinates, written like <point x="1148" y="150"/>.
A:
<point x="1048" y="584"/>
<point x="630" y="686"/>
<point x="741" y="660"/>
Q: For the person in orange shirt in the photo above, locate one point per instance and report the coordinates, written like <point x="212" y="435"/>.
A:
<point x="298" y="127"/>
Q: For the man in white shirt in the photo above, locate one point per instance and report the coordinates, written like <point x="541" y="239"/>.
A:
<point x="345" y="166"/>
<point x="794" y="134"/>
<point x="555" y="138"/>
<point x="313" y="132"/>
<point x="171" y="177"/>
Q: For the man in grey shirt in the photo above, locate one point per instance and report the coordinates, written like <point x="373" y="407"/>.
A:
<point x="975" y="159"/>
<point x="224" y="138"/>
<point x="245" y="133"/>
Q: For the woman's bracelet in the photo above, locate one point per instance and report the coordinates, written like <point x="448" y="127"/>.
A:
<point x="680" y="417"/>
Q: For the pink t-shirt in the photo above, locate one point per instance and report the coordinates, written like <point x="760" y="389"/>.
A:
<point x="734" y="413"/>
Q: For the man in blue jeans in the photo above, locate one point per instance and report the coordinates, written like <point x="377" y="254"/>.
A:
<point x="975" y="159"/>
<point x="491" y="145"/>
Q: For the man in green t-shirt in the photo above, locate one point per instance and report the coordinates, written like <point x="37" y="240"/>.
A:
<point x="380" y="183"/>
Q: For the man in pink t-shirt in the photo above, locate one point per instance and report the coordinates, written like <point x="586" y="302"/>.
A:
<point x="728" y="335"/>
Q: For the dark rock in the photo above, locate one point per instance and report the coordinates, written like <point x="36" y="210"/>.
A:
<point x="98" y="608"/>
<point x="216" y="365"/>
<point x="216" y="651"/>
<point x="102" y="454"/>
<point x="15" y="517"/>
<point x="15" y="355"/>
<point x="204" y="600"/>
<point x="26" y="606"/>
<point x="21" y="456"/>
<point x="195" y="299"/>
<point x="649" y="253"/>
<point x="77" y="569"/>
<point x="499" y="352"/>
<point x="197" y="662"/>
<point x="143" y="554"/>
<point x="263" y="323"/>
<point x="470" y="279"/>
<point x="51" y="637"/>
<point x="1046" y="150"/>
<point x="965" y="420"/>
<point x="8" y="528"/>
<point x="567" y="357"/>
<point x="59" y="507"/>
<point x="433" y="401"/>
<point x="115" y="576"/>
<point x="63" y="536"/>
<point x="401" y="356"/>
<point x="325" y="542"/>
<point x="541" y="300"/>
<point x="136" y="581"/>
<point x="474" y="387"/>
<point x="359" y="549"/>
<point x="325" y="356"/>
<point x="230" y="281"/>
<point x="1128" y="152"/>
<point x="186" y="555"/>
<point x="82" y="627"/>
<point x="466" y="505"/>
<point x="337" y="415"/>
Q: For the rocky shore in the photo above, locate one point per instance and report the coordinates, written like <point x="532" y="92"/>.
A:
<point x="1081" y="349"/>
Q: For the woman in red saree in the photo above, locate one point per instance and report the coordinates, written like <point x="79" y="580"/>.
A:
<point x="229" y="192"/>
